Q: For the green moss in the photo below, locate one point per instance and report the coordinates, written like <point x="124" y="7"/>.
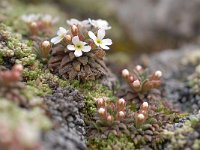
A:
<point x="29" y="74"/>
<point x="91" y="90"/>
<point x="112" y="142"/>
<point x="15" y="116"/>
<point x="13" y="46"/>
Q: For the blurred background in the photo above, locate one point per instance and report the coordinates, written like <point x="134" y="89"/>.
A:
<point x="138" y="26"/>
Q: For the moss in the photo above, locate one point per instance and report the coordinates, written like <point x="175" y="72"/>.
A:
<point x="16" y="115"/>
<point x="112" y="142"/>
<point x="40" y="82"/>
<point x="31" y="74"/>
<point x="14" y="49"/>
<point x="93" y="90"/>
<point x="186" y="136"/>
<point x="192" y="58"/>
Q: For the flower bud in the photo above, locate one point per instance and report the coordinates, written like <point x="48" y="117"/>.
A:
<point x="110" y="119"/>
<point x="45" y="48"/>
<point x="33" y="25"/>
<point x="121" y="101"/>
<point x="121" y="114"/>
<point x="140" y="117"/>
<point x="131" y="79"/>
<point x="138" y="68"/>
<point x="68" y="38"/>
<point x="15" y="76"/>
<point x="18" y="68"/>
<point x="33" y="28"/>
<point x="158" y="74"/>
<point x="74" y="30"/>
<point x="136" y="84"/>
<point x="125" y="73"/>
<point x="100" y="102"/>
<point x="145" y="106"/>
<point x="46" y="44"/>
<point x="101" y="111"/>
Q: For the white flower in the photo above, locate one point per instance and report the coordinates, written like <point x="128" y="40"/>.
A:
<point x="30" y="18"/>
<point x="78" y="46"/>
<point x="60" y="35"/>
<point x="49" y="19"/>
<point x="100" y="24"/>
<point x="73" y="21"/>
<point x="99" y="41"/>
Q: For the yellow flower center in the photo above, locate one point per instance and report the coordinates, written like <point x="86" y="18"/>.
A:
<point x="99" y="41"/>
<point x="79" y="46"/>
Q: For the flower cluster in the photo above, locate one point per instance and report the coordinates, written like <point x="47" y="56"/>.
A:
<point x="142" y="115"/>
<point x="8" y="78"/>
<point x="40" y="23"/>
<point x="84" y="36"/>
<point x="10" y="85"/>
<point x="78" y="52"/>
<point x="140" y="81"/>
<point x="110" y="112"/>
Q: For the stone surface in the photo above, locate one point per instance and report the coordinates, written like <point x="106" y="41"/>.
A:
<point x="147" y="20"/>
<point x="64" y="107"/>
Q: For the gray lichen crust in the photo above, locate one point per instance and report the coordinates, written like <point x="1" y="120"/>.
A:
<point x="64" y="107"/>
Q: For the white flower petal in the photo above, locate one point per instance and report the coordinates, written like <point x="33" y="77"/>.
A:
<point x="92" y="35"/>
<point x="56" y="40"/>
<point x="78" y="53"/>
<point x="86" y="48"/>
<point x="100" y="24"/>
<point x="83" y="43"/>
<point x="73" y="22"/>
<point x="62" y="31"/>
<point x="104" y="47"/>
<point x="75" y="40"/>
<point x="101" y="33"/>
<point x="71" y="47"/>
<point x="107" y="41"/>
<point x="85" y="23"/>
<point x="108" y="28"/>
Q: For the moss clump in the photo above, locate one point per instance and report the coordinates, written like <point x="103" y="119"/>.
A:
<point x="15" y="122"/>
<point x="16" y="115"/>
<point x="185" y="137"/>
<point x="112" y="142"/>
<point x="13" y="49"/>
<point x="191" y="58"/>
<point x="93" y="90"/>
<point x="45" y="82"/>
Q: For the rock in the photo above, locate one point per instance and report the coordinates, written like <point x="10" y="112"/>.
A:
<point x="148" y="20"/>
<point x="64" y="107"/>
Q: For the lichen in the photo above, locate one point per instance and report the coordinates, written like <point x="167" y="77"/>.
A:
<point x="15" y="122"/>
<point x="185" y="137"/>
